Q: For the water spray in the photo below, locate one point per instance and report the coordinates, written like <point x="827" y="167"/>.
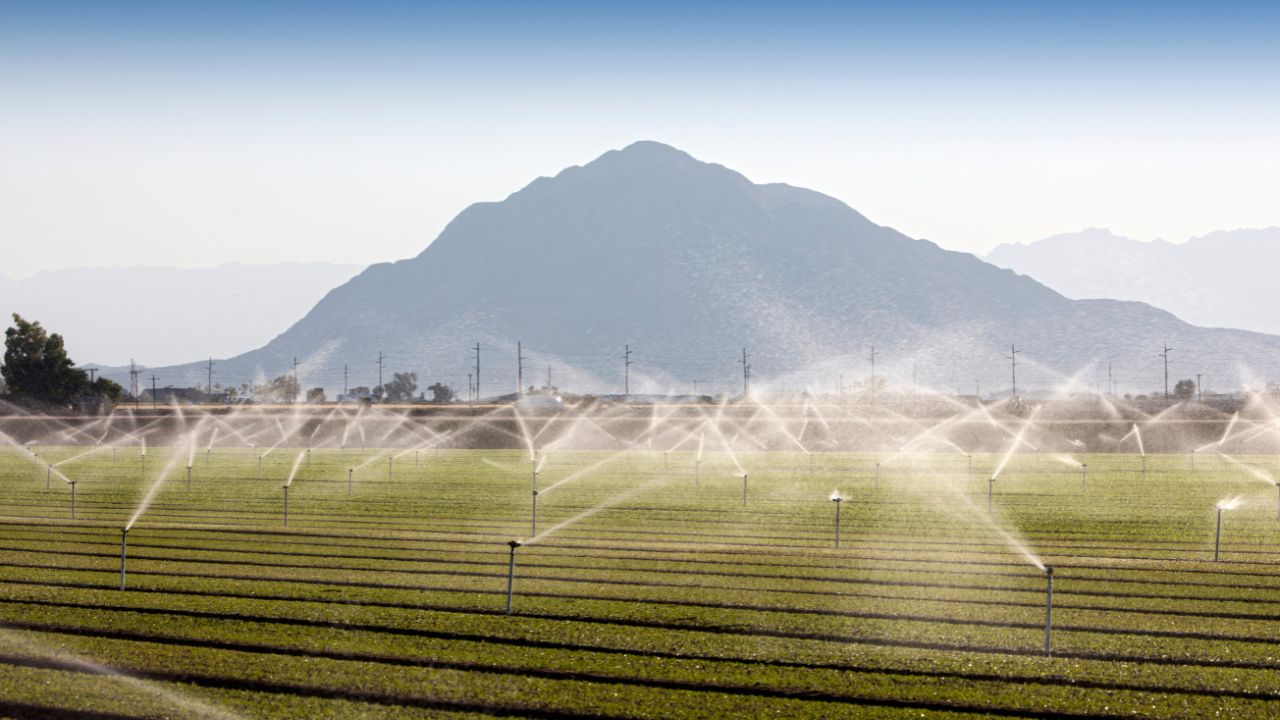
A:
<point x="511" y="571"/>
<point x="1231" y="504"/>
<point x="835" y="498"/>
<point x="124" y="534"/>
<point x="1048" y="610"/>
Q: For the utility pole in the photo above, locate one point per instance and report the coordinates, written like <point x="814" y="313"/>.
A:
<point x="873" y="373"/>
<point x="1013" y="367"/>
<point x="153" y="392"/>
<point x="381" y="359"/>
<point x="471" y="395"/>
<point x="746" y="374"/>
<point x="477" y="372"/>
<point x="520" y="368"/>
<point x="1199" y="392"/>
<point x="1165" y="355"/>
<point x="209" y="385"/>
<point x="296" y="388"/>
<point x="93" y="374"/>
<point x="626" y="370"/>
<point x="345" y="389"/>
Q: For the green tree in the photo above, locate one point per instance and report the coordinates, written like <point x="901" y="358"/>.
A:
<point x="401" y="387"/>
<point x="36" y="365"/>
<point x="1185" y="389"/>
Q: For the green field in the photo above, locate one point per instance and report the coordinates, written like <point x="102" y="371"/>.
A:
<point x="652" y="596"/>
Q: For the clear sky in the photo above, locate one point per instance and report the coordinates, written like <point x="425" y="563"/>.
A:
<point x="187" y="134"/>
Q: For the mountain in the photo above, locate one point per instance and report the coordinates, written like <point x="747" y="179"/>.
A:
<point x="162" y="315"/>
<point x="1223" y="279"/>
<point x="688" y="263"/>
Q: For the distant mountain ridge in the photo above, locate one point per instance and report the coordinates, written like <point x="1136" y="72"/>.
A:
<point x="1223" y="279"/>
<point x="689" y="263"/>
<point x="160" y="315"/>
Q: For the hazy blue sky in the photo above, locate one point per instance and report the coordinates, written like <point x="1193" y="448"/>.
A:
<point x="172" y="133"/>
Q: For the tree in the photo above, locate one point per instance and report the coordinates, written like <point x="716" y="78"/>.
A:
<point x="1185" y="389"/>
<point x="36" y="365"/>
<point x="401" y="387"/>
<point x="315" y="395"/>
<point x="441" y="393"/>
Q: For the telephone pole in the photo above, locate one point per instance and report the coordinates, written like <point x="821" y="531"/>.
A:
<point x="626" y="370"/>
<point x="1199" y="392"/>
<point x="746" y="374"/>
<point x="93" y="374"/>
<point x="519" y="368"/>
<point x="477" y="372"/>
<point x="209" y="385"/>
<point x="1013" y="367"/>
<point x="1165" y="355"/>
<point x="294" y="399"/>
<point x="381" y="359"/>
<point x="153" y="392"/>
<point x="345" y="389"/>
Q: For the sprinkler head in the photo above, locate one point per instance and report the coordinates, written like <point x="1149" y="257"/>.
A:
<point x="514" y="544"/>
<point x="1048" y="570"/>
<point x="535" y="492"/>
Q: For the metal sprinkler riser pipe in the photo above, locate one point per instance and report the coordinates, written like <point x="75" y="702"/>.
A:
<point x="744" y="489"/>
<point x="286" y="505"/>
<point x="533" y="530"/>
<point x="1217" y="536"/>
<point x="1048" y="611"/>
<point x="73" y="499"/>
<point x="511" y="571"/>
<point x="837" y="501"/>
<point x="349" y="472"/>
<point x="124" y="534"/>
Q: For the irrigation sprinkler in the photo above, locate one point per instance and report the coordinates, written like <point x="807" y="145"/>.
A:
<point x="1144" y="467"/>
<point x="188" y="478"/>
<point x="1217" y="535"/>
<point x="1048" y="611"/>
<point x="1084" y="476"/>
<point x="835" y="498"/>
<point x="665" y="454"/>
<point x="1277" y="503"/>
<point x="259" y="467"/>
<point x="511" y="571"/>
<point x="744" y="489"/>
<point x="415" y="458"/>
<point x="390" y="464"/>
<point x="991" y="485"/>
<point x="113" y="454"/>
<point x="308" y="457"/>
<point x="697" y="469"/>
<point x="877" y="476"/>
<point x="533" y="529"/>
<point x="970" y="457"/>
<point x="286" y="505"/>
<point x="349" y="473"/>
<point x="124" y="534"/>
<point x="810" y="463"/>
<point x="1192" y="456"/>
<point x="48" y="475"/>
<point x="73" y="498"/>
<point x="207" y="452"/>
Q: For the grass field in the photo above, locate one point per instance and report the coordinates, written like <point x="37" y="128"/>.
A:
<point x="649" y="594"/>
